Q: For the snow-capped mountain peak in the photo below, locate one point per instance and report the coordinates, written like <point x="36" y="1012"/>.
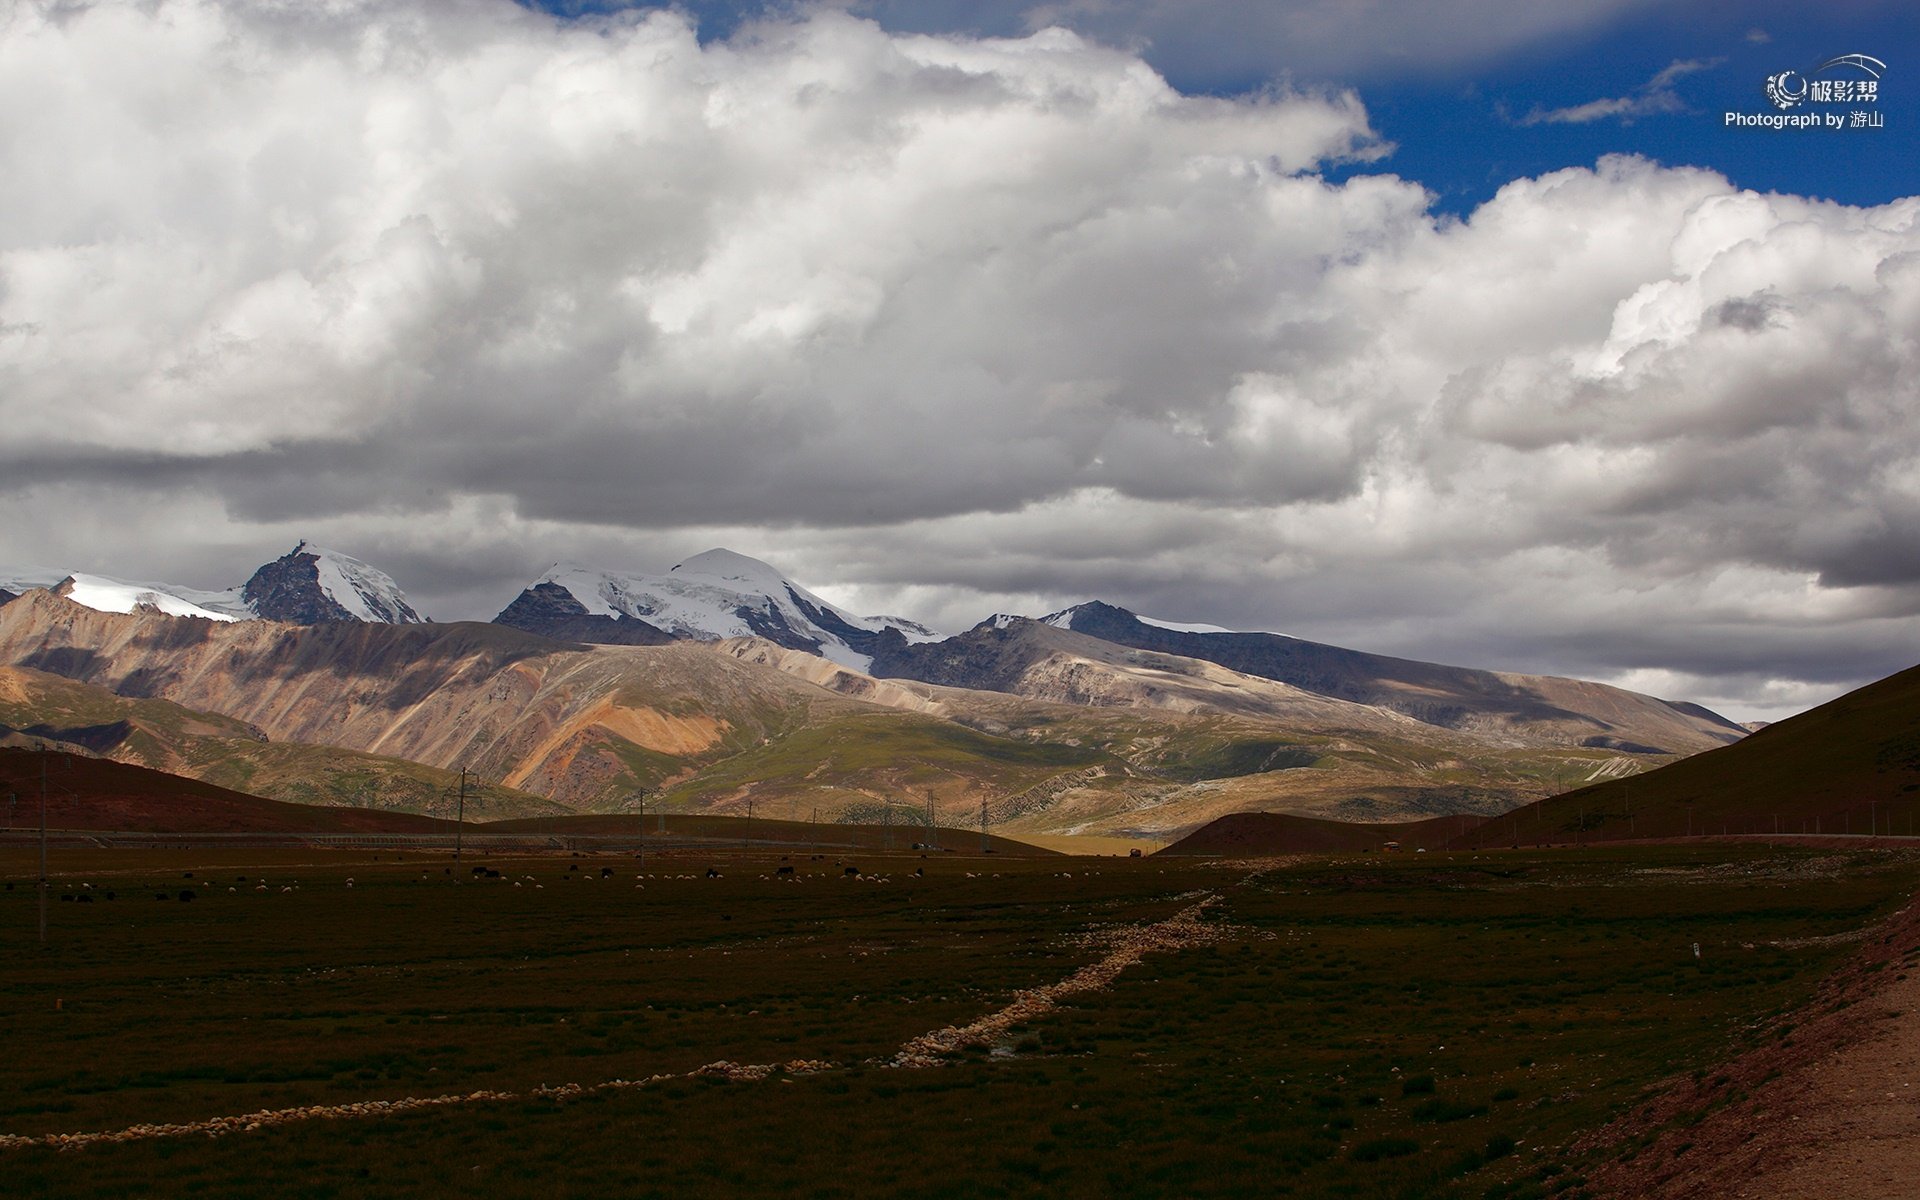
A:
<point x="728" y="567"/>
<point x="308" y="585"/>
<point x="312" y="584"/>
<point x="714" y="595"/>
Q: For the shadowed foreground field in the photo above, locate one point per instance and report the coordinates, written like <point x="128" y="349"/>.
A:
<point x="1362" y="1026"/>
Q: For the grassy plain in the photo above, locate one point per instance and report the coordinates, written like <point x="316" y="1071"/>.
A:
<point x="1361" y="1026"/>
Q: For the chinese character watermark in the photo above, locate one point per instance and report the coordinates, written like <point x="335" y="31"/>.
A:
<point x="1848" y="79"/>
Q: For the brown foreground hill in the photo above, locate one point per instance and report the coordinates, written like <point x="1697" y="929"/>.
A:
<point x="100" y="794"/>
<point x="1848" y="767"/>
<point x="1284" y="833"/>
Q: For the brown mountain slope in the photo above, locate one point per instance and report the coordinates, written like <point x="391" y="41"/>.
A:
<point x="38" y="710"/>
<point x="1849" y="766"/>
<point x="1520" y="710"/>
<point x="1038" y="662"/>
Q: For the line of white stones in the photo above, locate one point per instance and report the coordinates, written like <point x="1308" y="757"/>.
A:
<point x="1179" y="931"/>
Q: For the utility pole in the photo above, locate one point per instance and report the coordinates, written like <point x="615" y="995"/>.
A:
<point x="983" y="825"/>
<point x="640" y="855"/>
<point x="460" y="815"/>
<point x="886" y="821"/>
<point x="43" y="848"/>
<point x="749" y="830"/>
<point x="933" y="831"/>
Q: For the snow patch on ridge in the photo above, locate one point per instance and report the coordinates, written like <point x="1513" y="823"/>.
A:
<point x="722" y="594"/>
<point x="1179" y="628"/>
<point x="1064" y="620"/>
<point x="104" y="593"/>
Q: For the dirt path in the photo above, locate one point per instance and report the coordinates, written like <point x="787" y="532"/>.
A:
<point x="1128" y="946"/>
<point x="1829" y="1108"/>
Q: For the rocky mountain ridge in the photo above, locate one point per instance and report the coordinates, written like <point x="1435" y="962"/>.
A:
<point x="305" y="586"/>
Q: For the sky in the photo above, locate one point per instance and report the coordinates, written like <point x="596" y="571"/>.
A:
<point x="1473" y="333"/>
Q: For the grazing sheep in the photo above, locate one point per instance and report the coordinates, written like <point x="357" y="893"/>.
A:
<point x="187" y="894"/>
<point x="606" y="872"/>
<point x="713" y="872"/>
<point x="784" y="871"/>
<point x="853" y="870"/>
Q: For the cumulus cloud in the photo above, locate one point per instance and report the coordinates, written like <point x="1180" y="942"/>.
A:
<point x="942" y="324"/>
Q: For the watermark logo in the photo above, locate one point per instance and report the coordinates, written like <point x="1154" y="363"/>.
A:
<point x="1846" y="79"/>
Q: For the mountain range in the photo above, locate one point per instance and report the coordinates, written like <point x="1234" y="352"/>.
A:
<point x="723" y="683"/>
<point x="305" y="586"/>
